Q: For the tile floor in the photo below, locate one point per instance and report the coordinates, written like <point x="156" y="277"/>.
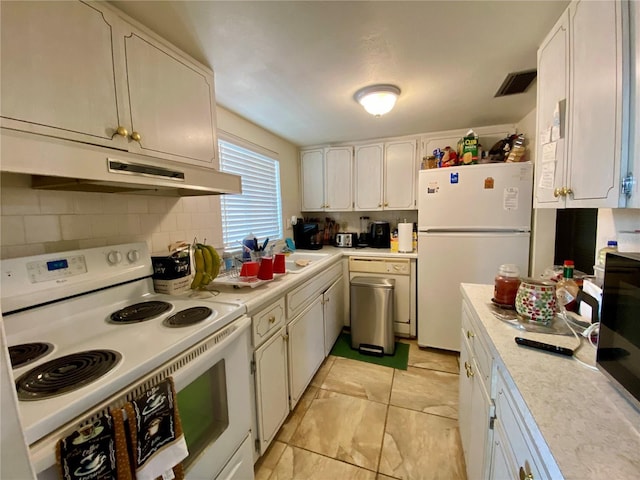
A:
<point x="363" y="421"/>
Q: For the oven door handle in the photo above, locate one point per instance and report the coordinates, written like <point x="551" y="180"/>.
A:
<point x="208" y="352"/>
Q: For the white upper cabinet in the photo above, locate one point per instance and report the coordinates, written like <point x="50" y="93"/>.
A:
<point x="172" y="103"/>
<point x="553" y="85"/>
<point x="385" y="176"/>
<point x="400" y="175"/>
<point x="326" y="179"/>
<point x="84" y="72"/>
<point x="337" y="179"/>
<point x="368" y="172"/>
<point x="590" y="66"/>
<point x="58" y="72"/>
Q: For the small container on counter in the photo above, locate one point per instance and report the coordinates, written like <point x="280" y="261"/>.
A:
<point x="507" y="282"/>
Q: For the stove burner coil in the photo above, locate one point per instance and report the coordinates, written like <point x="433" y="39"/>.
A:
<point x="140" y="312"/>
<point x="64" y="374"/>
<point x="187" y="317"/>
<point x="26" y="353"/>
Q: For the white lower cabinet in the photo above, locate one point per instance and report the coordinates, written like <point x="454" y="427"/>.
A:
<point x="518" y="447"/>
<point x="306" y="348"/>
<point x="498" y="443"/>
<point x="476" y="406"/>
<point x="272" y="399"/>
<point x="270" y="372"/>
<point x="333" y="306"/>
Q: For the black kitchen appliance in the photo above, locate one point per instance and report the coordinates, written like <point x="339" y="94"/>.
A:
<point x="379" y="235"/>
<point x="307" y="236"/>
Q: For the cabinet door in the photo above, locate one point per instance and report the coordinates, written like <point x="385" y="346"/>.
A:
<point x="172" y="103"/>
<point x="58" y="72"/>
<point x="306" y="348"/>
<point x="333" y="303"/>
<point x="596" y="103"/>
<point x="553" y="87"/>
<point x="502" y="462"/>
<point x="368" y="171"/>
<point x="271" y="387"/>
<point x="400" y="175"/>
<point x="312" y="180"/>
<point x="338" y="178"/>
<point x="475" y="412"/>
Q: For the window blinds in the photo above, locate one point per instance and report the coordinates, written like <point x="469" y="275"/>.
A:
<point x="258" y="209"/>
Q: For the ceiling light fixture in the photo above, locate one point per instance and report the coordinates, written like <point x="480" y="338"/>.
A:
<point x="377" y="99"/>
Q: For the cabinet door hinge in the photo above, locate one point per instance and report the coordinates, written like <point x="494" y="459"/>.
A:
<point x="628" y="183"/>
<point x="257" y="445"/>
<point x="252" y="367"/>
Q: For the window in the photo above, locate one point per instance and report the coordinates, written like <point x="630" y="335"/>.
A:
<point x="258" y="209"/>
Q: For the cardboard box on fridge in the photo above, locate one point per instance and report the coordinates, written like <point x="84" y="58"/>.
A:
<point x="468" y="148"/>
<point x="175" y="286"/>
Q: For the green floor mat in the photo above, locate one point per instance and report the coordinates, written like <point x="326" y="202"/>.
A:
<point x="399" y="359"/>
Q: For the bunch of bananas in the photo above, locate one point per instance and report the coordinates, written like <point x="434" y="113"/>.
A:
<point x="207" y="263"/>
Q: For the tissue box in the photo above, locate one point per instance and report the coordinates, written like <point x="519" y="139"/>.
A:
<point x="172" y="287"/>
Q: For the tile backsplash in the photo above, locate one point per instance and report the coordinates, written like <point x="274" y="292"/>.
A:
<point x="43" y="221"/>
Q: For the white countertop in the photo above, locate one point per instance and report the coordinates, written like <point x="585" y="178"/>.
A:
<point x="262" y="295"/>
<point x="590" y="429"/>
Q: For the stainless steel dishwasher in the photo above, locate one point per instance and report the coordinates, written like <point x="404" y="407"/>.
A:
<point x="372" y="315"/>
<point x="402" y="270"/>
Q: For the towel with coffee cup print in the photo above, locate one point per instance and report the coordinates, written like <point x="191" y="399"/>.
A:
<point x="156" y="437"/>
<point x="96" y="452"/>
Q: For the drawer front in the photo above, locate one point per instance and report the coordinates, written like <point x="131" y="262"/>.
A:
<point x="520" y="441"/>
<point x="479" y="349"/>
<point x="266" y="321"/>
<point x="302" y="296"/>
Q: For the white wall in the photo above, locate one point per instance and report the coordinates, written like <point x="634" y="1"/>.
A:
<point x="612" y="225"/>
<point x="41" y="221"/>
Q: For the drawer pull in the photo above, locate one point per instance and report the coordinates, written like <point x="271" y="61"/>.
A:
<point x="272" y="319"/>
<point x="467" y="367"/>
<point x="135" y="136"/>
<point x="285" y="337"/>
<point x="470" y="334"/>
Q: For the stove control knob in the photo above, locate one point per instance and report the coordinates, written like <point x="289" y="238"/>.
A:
<point x="133" y="256"/>
<point x="114" y="257"/>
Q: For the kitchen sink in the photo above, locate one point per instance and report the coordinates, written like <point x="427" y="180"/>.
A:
<point x="311" y="258"/>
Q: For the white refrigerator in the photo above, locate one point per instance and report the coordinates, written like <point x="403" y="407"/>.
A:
<point x="471" y="220"/>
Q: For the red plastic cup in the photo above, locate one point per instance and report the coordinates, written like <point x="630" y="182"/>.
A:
<point x="249" y="270"/>
<point x="266" y="269"/>
<point x="278" y="263"/>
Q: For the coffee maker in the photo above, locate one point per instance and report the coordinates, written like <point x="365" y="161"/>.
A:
<point x="307" y="236"/>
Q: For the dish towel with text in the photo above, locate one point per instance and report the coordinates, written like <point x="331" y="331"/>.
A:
<point x="156" y="437"/>
<point x="96" y="452"/>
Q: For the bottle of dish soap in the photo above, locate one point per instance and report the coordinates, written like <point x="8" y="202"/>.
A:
<point x="612" y="247"/>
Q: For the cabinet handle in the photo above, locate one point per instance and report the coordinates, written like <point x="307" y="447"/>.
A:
<point x="123" y="132"/>
<point x="386" y="204"/>
<point x="566" y="191"/>
<point x="272" y="319"/>
<point x="469" y="370"/>
<point x="379" y="204"/>
<point x="285" y="337"/>
<point x="470" y="334"/>
<point x="524" y="475"/>
<point x="557" y="192"/>
<point x="135" y="136"/>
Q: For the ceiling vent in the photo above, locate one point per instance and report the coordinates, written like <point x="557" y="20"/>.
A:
<point x="516" y="82"/>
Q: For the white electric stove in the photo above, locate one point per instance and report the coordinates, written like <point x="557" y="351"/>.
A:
<point x="93" y="312"/>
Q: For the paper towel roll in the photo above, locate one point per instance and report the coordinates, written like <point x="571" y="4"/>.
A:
<point x="405" y="237"/>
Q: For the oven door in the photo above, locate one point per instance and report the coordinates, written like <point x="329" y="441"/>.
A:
<point x="213" y="400"/>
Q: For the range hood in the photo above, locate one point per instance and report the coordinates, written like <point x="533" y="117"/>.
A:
<point x="61" y="165"/>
